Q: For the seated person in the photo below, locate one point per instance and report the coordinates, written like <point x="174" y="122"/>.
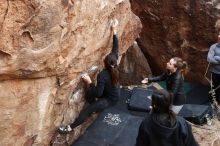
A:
<point x="162" y="127"/>
<point x="176" y="68"/>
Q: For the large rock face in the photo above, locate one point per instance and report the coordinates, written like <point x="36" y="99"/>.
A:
<point x="133" y="66"/>
<point x="184" y="28"/>
<point x="45" y="46"/>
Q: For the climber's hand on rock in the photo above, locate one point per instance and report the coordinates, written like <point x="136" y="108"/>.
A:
<point x="114" y="25"/>
<point x="87" y="79"/>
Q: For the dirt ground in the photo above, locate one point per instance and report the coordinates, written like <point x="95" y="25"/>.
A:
<point x="208" y="135"/>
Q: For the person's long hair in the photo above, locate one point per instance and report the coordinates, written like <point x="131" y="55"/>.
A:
<point x="110" y="62"/>
<point x="181" y="65"/>
<point x="161" y="105"/>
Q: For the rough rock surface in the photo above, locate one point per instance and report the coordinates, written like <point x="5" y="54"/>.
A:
<point x="133" y="66"/>
<point x="45" y="46"/>
<point x="184" y="28"/>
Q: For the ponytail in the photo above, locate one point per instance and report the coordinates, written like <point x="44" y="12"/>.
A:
<point x="181" y="65"/>
<point x="161" y="103"/>
<point x="171" y="113"/>
<point x="185" y="68"/>
<point x="110" y="62"/>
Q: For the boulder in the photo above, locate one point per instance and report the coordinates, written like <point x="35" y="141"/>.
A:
<point x="133" y="66"/>
<point x="45" y="47"/>
<point x="183" y="28"/>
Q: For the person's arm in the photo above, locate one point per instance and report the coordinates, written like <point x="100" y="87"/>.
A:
<point x="211" y="55"/>
<point x="142" y="138"/>
<point x="115" y="43"/>
<point x="158" y="78"/>
<point x="99" y="88"/>
<point x="217" y="58"/>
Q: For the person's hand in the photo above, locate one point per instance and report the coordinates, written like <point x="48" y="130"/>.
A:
<point x="114" y="25"/>
<point x="144" y="81"/>
<point x="87" y="79"/>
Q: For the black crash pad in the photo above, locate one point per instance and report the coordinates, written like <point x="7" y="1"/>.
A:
<point x="140" y="99"/>
<point x="103" y="133"/>
<point x="195" y="113"/>
<point x="113" y="127"/>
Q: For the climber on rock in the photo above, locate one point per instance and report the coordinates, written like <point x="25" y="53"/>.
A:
<point x="106" y="91"/>
<point x="176" y="68"/>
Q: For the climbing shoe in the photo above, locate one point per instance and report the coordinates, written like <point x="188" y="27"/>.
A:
<point x="64" y="129"/>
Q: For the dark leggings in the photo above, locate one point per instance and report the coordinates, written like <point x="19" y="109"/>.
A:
<point x="216" y="83"/>
<point x="96" y="106"/>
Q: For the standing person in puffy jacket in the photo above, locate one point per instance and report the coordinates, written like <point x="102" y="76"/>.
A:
<point x="214" y="59"/>
<point x="176" y="68"/>
<point x="107" y="89"/>
<point x="162" y="127"/>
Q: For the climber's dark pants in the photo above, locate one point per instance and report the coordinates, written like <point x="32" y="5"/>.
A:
<point x="95" y="106"/>
<point x="216" y="83"/>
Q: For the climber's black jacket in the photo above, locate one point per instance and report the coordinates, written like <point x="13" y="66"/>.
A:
<point x="104" y="86"/>
<point x="174" y="84"/>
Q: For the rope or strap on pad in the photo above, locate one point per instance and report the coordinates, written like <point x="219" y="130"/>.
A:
<point x="214" y="103"/>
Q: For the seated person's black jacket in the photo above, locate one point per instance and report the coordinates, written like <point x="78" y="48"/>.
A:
<point x="174" y="84"/>
<point x="152" y="133"/>
<point x="104" y="88"/>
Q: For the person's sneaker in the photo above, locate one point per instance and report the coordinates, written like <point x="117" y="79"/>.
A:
<point x="64" y="129"/>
